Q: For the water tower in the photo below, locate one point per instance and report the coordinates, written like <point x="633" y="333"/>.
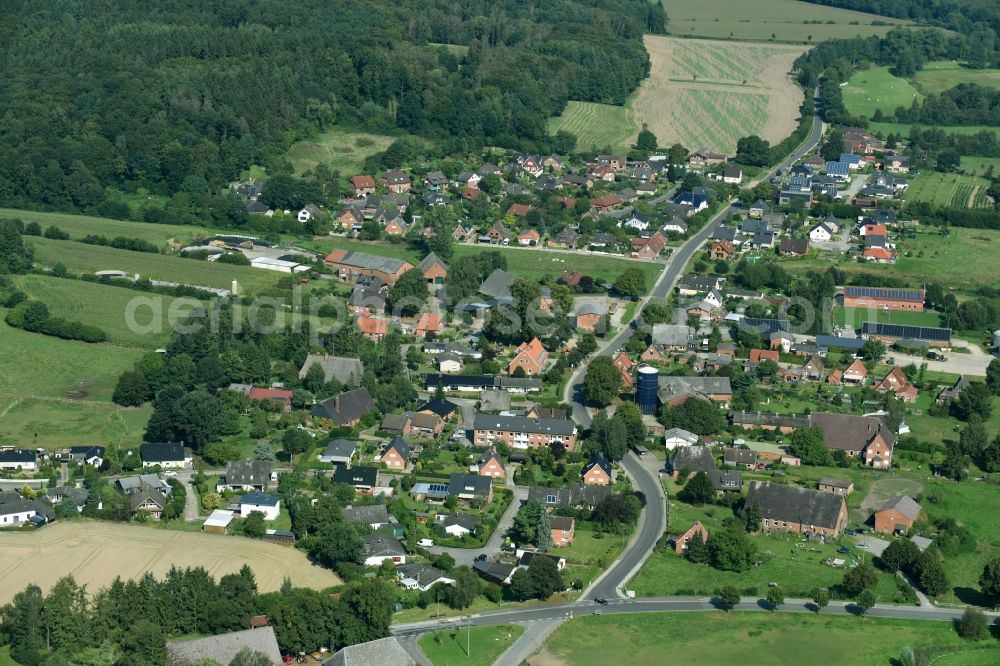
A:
<point x="645" y="389"/>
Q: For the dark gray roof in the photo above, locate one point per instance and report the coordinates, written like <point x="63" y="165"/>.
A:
<point x="224" y="647"/>
<point x="563" y="427"/>
<point x="759" y="418"/>
<point x="796" y="505"/>
<point x="366" y="515"/>
<point x="850" y="432"/>
<point x="356" y="476"/>
<point x="835" y="482"/>
<point x="905" y="505"/>
<point x="340" y="448"/>
<point x="738" y="456"/>
<point x="726" y="480"/>
<point x="669" y="387"/>
<point x="17" y="456"/>
<point x="248" y="472"/>
<point x="675" y="335"/>
<point x="579" y="495"/>
<point x="424" y="575"/>
<point x="693" y="458"/>
<point x="765" y="326"/>
<point x="382" y="544"/>
<point x="927" y="333"/>
<point x="495" y="572"/>
<point x="260" y="499"/>
<point x="157" y="452"/>
<point x="372" y="262"/>
<point x="76" y="495"/>
<point x="84" y="452"/>
<point x="344" y="369"/>
<point x="429" y="261"/>
<point x="463" y="520"/>
<point x="597" y="460"/>
<point x="498" y="284"/>
<point x="401" y="446"/>
<point x="464" y="484"/>
<point x="345" y="407"/>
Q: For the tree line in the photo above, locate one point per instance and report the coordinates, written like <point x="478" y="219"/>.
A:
<point x="179" y="98"/>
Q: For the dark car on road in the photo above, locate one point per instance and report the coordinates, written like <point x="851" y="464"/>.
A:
<point x="601" y="600"/>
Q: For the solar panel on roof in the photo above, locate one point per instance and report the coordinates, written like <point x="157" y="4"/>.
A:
<point x="905" y="331"/>
<point x="879" y="292"/>
<point x="439" y="487"/>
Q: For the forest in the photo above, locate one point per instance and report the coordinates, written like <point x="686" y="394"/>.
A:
<point x="182" y="95"/>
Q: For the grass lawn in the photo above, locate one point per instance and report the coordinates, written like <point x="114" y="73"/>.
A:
<point x="904" y="128"/>
<point x="64" y="422"/>
<point x="78" y="226"/>
<point x="858" y="316"/>
<point x="985" y="655"/>
<point x="948" y="189"/>
<point x="83" y="258"/>
<point x="785" y="19"/>
<point x="529" y="264"/>
<point x="5" y="659"/>
<point x="739" y="639"/>
<point x="101" y="305"/>
<point x="596" y="126"/>
<point x="341" y="149"/>
<point x="964" y="260"/>
<point x="977" y="166"/>
<point x="876" y="88"/>
<point x="588" y="549"/>
<point x="485" y="644"/>
<point x="938" y="76"/>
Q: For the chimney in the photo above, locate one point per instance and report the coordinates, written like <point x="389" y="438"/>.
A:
<point x="336" y="404"/>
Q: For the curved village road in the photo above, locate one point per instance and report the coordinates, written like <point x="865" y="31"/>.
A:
<point x="653" y="520"/>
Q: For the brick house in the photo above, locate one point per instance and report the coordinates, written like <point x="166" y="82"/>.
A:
<point x="721" y="249"/>
<point x="590" y="317"/>
<point x="758" y="355"/>
<point x="396" y="181"/>
<point x="491" y="464"/>
<point x="813" y="369"/>
<point x="681" y="542"/>
<point x="345" y="409"/>
<point x="428" y="324"/>
<point x="881" y="299"/>
<point x="856" y="373"/>
<point x="520" y="432"/>
<point x="895" y="380"/>
<point x="434" y="269"/>
<point x="351" y="265"/>
<point x="563" y="530"/>
<point x="624" y="365"/>
<point x="597" y="471"/>
<point x="281" y="397"/>
<point x="529" y="238"/>
<point x="865" y="437"/>
<point x="897" y="515"/>
<point x="531" y="356"/>
<point x="791" y="509"/>
<point x="373" y="329"/>
<point x="362" y="185"/>
<point x="605" y="203"/>
<point x="395" y="454"/>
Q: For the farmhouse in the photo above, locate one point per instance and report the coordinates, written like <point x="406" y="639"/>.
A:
<point x="865" y="437"/>
<point x="674" y="390"/>
<point x="780" y="422"/>
<point x="521" y="432"/>
<point x="790" y="509"/>
<point x="693" y="459"/>
<point x="884" y="299"/>
<point x="350" y="265"/>
<point x="434" y="269"/>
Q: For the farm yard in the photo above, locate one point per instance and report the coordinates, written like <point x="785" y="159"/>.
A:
<point x="95" y="553"/>
<point x="771" y="20"/>
<point x="596" y="126"/>
<point x="340" y="149"/>
<point x="949" y="189"/>
<point x="711" y="93"/>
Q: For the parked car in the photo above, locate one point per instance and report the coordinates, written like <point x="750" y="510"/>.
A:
<point x="425" y="543"/>
<point x="862" y="546"/>
<point x="601" y="600"/>
<point x="481" y="557"/>
<point x="851" y="532"/>
<point x="170" y="473"/>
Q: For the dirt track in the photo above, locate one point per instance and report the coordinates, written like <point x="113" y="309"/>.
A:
<point x="96" y="552"/>
<point x="705" y="93"/>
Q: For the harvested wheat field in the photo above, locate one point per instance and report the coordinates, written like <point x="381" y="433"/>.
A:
<point x="96" y="552"/>
<point x="708" y="94"/>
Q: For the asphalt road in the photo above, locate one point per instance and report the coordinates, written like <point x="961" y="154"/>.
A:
<point x="675" y="604"/>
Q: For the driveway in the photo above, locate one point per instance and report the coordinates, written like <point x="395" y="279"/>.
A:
<point x="974" y="363"/>
<point x="857" y="184"/>
<point x="468" y="555"/>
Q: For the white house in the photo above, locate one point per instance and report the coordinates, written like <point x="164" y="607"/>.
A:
<point x="421" y="577"/>
<point x="168" y="455"/>
<point x="732" y="175"/>
<point x="449" y="363"/>
<point x="16" y="512"/>
<point x="677" y="437"/>
<point x="459" y="525"/>
<point x="636" y="221"/>
<point x="714" y="298"/>
<point x="269" y="505"/>
<point x="14" y="459"/>
<point x="820" y="233"/>
<point x="307" y="213"/>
